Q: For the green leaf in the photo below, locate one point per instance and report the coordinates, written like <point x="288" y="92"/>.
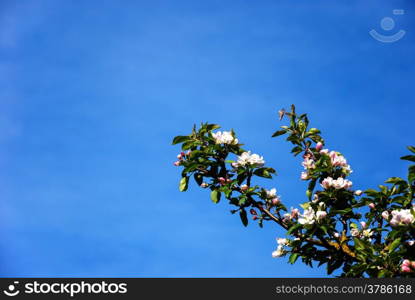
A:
<point x="305" y="205"/>
<point x="409" y="157"/>
<point x="183" y="184"/>
<point x="210" y="127"/>
<point x="198" y="178"/>
<point x="215" y="196"/>
<point x="297" y="150"/>
<point x="383" y="273"/>
<point x="333" y="265"/>
<point x="394" y="180"/>
<point x="262" y="172"/>
<point x="394" y="245"/>
<point x="371" y="192"/>
<point x="180" y="139"/>
<point x="359" y="245"/>
<point x="294" y="228"/>
<point x="411" y="174"/>
<point x="311" y="187"/>
<point x="243" y="216"/>
<point x="242" y="200"/>
<point x="411" y="148"/>
<point x="293" y="258"/>
<point x="279" y="132"/>
<point x="314" y="131"/>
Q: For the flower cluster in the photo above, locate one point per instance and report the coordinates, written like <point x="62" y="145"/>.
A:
<point x="272" y="196"/>
<point x="310" y="216"/>
<point x="337" y="160"/>
<point x="280" y="249"/>
<point x="339" y="183"/>
<point x="408" y="266"/>
<point x="364" y="233"/>
<point x="224" y="137"/>
<point x="399" y="217"/>
<point x="181" y="156"/>
<point x="247" y="158"/>
<point x="308" y="163"/>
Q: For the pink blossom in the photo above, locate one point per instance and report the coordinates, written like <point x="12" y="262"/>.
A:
<point x="319" y="146"/>
<point x="321" y="214"/>
<point x="304" y="176"/>
<point x="405" y="269"/>
<point x="363" y="224"/>
<point x="385" y="215"/>
<point x="176" y="163"/>
<point x="406" y="263"/>
<point x="372" y="205"/>
<point x="294" y="213"/>
<point x="339" y="183"/>
<point x="308" y="163"/>
<point x="276" y="201"/>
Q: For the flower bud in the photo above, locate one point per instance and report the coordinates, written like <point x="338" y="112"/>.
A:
<point x="234" y="164"/>
<point x="319" y="146"/>
<point x="204" y="185"/>
<point x="294" y="213"/>
<point x="363" y="224"/>
<point x="254" y="217"/>
<point x="411" y="243"/>
<point x="253" y="212"/>
<point x="336" y="235"/>
<point x="304" y="176"/>
<point x="406" y="262"/>
<point x="385" y="215"/>
<point x="244" y="188"/>
<point x="176" y="163"/>
<point x="276" y="201"/>
<point x="358" y="192"/>
<point x="179" y="156"/>
<point x="321" y="215"/>
<point x="372" y="205"/>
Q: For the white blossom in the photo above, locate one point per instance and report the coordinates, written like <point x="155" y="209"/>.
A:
<point x="339" y="183"/>
<point x="272" y="193"/>
<point x="401" y="217"/>
<point x="354" y="232"/>
<point x="224" y="137"/>
<point x="282" y="241"/>
<point x="247" y="158"/>
<point x="308" y="217"/>
<point x="279" y="252"/>
<point x="304" y="176"/>
<point x="308" y="163"/>
<point x="321" y="214"/>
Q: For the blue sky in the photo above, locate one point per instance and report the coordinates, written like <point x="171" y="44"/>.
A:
<point x="92" y="92"/>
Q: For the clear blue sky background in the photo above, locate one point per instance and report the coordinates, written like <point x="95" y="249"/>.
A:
<point x="92" y="92"/>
